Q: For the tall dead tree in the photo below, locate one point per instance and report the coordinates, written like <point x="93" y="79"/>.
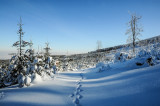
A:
<point x="134" y="30"/>
<point x="99" y="45"/>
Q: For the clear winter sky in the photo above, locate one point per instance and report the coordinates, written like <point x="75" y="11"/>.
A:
<point x="74" y="25"/>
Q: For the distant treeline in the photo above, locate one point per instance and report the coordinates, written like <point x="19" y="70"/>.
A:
<point x="2" y="62"/>
<point x="138" y="43"/>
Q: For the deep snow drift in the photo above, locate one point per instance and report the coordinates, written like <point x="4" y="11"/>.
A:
<point x="122" y="84"/>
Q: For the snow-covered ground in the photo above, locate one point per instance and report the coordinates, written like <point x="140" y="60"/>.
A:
<point x="123" y="84"/>
<point x="121" y="87"/>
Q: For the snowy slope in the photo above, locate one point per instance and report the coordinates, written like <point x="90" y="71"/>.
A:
<point x="122" y="85"/>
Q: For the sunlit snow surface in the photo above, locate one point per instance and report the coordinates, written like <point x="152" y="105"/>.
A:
<point x="122" y="85"/>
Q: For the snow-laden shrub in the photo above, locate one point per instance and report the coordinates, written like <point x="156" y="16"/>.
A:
<point x="155" y="53"/>
<point x="70" y="67"/>
<point x="11" y="67"/>
<point x="8" y="76"/>
<point x="54" y="69"/>
<point x="21" y="80"/>
<point x="35" y="60"/>
<point x="13" y="59"/>
<point x="38" y="60"/>
<point x="121" y="57"/>
<point x="49" y="72"/>
<point x="20" y="69"/>
<point x="49" y="60"/>
<point x="147" y="61"/>
<point x="24" y="70"/>
<point x="149" y="56"/>
<point x="102" y="67"/>
<point x="46" y="66"/>
<point x="35" y="67"/>
<point x="47" y="75"/>
<point x="32" y="68"/>
<point x="27" y="80"/>
<point x="36" y="78"/>
<point x="141" y="53"/>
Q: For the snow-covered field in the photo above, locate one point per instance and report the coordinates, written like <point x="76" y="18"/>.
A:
<point x="123" y="84"/>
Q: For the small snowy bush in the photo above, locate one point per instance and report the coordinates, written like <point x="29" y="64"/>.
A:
<point x="102" y="67"/>
<point x="142" y="53"/>
<point x="27" y="80"/>
<point x="21" y="80"/>
<point x="121" y="57"/>
<point x="35" y="78"/>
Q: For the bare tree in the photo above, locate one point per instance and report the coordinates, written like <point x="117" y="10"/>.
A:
<point x="134" y="30"/>
<point x="99" y="45"/>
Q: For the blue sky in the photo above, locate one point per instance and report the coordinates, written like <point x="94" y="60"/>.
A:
<point x="74" y="25"/>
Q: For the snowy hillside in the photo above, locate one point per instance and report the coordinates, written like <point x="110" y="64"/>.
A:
<point x="118" y="78"/>
<point x="103" y="55"/>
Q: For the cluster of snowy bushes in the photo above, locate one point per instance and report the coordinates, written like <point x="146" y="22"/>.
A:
<point x="150" y="56"/>
<point x="29" y="69"/>
<point x="75" y="65"/>
<point x="26" y="69"/>
<point x="84" y="61"/>
<point x="147" y="54"/>
<point x="121" y="57"/>
<point x="144" y="56"/>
